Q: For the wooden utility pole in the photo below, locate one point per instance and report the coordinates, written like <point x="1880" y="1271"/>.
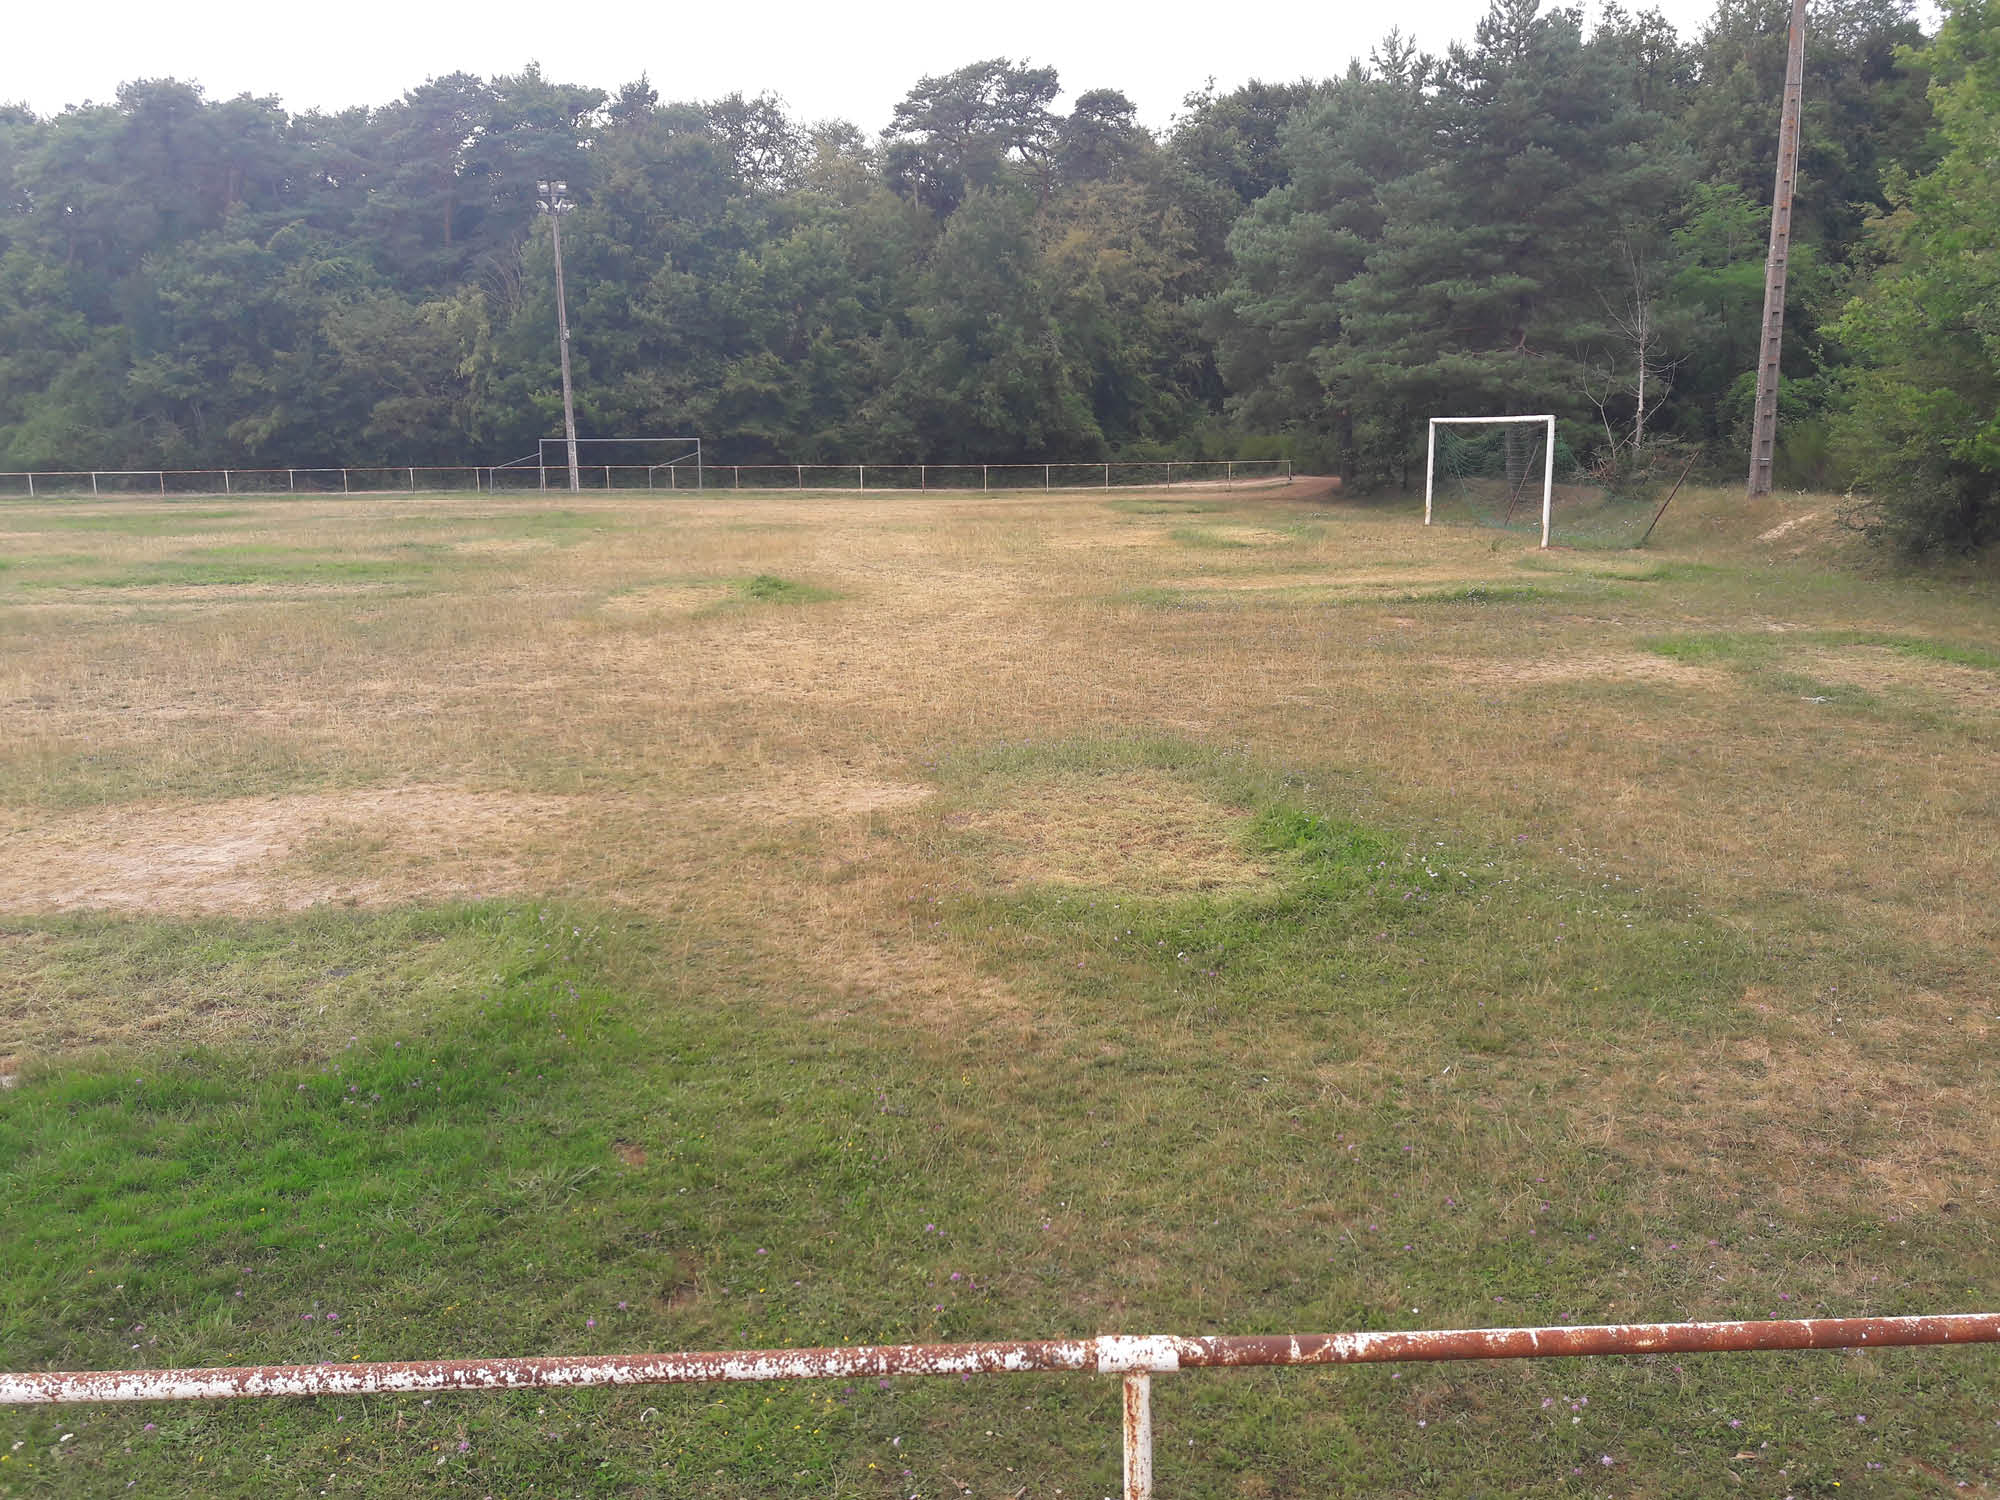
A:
<point x="1764" y="434"/>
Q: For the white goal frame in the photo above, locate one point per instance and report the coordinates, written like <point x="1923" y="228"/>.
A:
<point x="1548" y="459"/>
<point x="539" y="459"/>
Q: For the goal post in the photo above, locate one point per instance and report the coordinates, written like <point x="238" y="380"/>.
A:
<point x="652" y="454"/>
<point x="1547" y="424"/>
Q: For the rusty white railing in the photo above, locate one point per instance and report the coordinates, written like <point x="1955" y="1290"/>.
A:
<point x="1138" y="1359"/>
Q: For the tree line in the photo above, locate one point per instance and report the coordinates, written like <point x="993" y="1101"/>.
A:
<point x="1551" y="216"/>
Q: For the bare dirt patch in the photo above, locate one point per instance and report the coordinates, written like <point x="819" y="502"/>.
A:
<point x="257" y="854"/>
<point x="1883" y="668"/>
<point x="1786" y="528"/>
<point x="1139" y="831"/>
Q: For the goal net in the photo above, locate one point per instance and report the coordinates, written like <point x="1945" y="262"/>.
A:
<point x="1516" y="474"/>
<point x="1491" y="471"/>
<point x="607" y="463"/>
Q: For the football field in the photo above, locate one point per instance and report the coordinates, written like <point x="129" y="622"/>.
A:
<point x="443" y="926"/>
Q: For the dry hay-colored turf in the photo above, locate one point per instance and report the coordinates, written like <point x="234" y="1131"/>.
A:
<point x="1883" y="668"/>
<point x="664" y="599"/>
<point x="761" y="765"/>
<point x="1141" y="832"/>
<point x="826" y="795"/>
<point x="1583" y="666"/>
<point x="248" y="855"/>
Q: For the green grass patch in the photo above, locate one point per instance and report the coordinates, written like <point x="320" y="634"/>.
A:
<point x="1480" y="593"/>
<point x="1950" y="652"/>
<point x="167" y="518"/>
<point x="1762" y="649"/>
<point x="1713" y="649"/>
<point x="768" y="588"/>
<point x="1159" y="507"/>
<point x="590" y="1133"/>
<point x="1206" y="537"/>
<point x="247" y="570"/>
<point x="1171" y="599"/>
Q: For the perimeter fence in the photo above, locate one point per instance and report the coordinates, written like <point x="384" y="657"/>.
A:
<point x="517" y="478"/>
<point x="1136" y="1358"/>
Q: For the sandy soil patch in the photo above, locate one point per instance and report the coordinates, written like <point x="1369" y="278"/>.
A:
<point x="1880" y="668"/>
<point x="1140" y="831"/>
<point x="1786" y="528"/>
<point x="257" y="854"/>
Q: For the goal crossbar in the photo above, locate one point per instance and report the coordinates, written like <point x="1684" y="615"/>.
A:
<point x="1548" y="458"/>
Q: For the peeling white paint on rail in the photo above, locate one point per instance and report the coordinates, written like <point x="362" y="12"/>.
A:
<point x="1109" y="1354"/>
<point x="1156" y="1354"/>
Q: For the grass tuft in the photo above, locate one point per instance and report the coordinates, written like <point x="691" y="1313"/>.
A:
<point x="768" y="588"/>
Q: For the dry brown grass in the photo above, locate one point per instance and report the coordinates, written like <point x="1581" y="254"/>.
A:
<point x="263" y="854"/>
<point x="1884" y="669"/>
<point x="1135" y="831"/>
<point x="593" y="712"/>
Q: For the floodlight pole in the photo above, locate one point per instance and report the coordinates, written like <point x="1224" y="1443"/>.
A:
<point x="1764" y="426"/>
<point x="555" y="205"/>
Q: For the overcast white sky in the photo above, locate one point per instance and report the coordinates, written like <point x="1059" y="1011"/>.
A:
<point x="851" y="61"/>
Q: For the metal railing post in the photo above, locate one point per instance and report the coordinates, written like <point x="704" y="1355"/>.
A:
<point x="31" y="486"/>
<point x="1045" y="476"/>
<point x="982" y="479"/>
<point x="343" y="483"/>
<point x="861" y="477"/>
<point x="225" y="481"/>
<point x="291" y="481"/>
<point x="93" y="481"/>
<point x="1138" y="1437"/>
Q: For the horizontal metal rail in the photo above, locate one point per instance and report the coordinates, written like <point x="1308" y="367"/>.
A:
<point x="1136" y="1358"/>
<point x="1106" y="1354"/>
